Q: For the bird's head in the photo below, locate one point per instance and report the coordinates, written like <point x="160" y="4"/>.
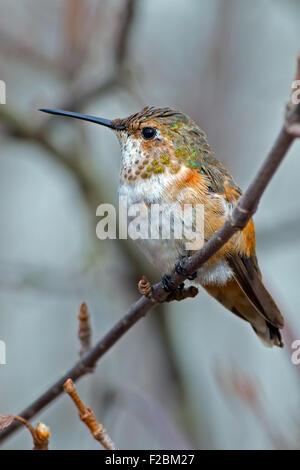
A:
<point x="154" y="142"/>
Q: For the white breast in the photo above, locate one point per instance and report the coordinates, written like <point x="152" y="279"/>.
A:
<point x="165" y="253"/>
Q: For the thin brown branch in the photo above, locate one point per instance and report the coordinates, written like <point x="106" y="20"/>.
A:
<point x="40" y="435"/>
<point x="246" y="207"/>
<point x="84" y="329"/>
<point x="87" y="416"/>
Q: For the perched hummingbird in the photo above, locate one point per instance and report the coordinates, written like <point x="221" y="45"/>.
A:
<point x="165" y="159"/>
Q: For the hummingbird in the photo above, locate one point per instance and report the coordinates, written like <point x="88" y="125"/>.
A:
<point x="166" y="158"/>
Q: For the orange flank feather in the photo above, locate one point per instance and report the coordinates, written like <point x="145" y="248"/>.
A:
<point x="190" y="187"/>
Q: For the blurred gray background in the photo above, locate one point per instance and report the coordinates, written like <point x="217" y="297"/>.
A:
<point x="190" y="375"/>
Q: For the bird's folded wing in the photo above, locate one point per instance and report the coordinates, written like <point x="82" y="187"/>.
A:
<point x="248" y="277"/>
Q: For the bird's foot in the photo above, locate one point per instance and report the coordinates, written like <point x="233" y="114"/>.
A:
<point x="180" y="269"/>
<point x="167" y="283"/>
<point x="177" y="293"/>
<point x="181" y="294"/>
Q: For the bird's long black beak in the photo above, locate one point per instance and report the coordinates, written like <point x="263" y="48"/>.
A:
<point x="84" y="117"/>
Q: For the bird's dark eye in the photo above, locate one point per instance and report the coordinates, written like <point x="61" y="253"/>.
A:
<point x="148" y="133"/>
